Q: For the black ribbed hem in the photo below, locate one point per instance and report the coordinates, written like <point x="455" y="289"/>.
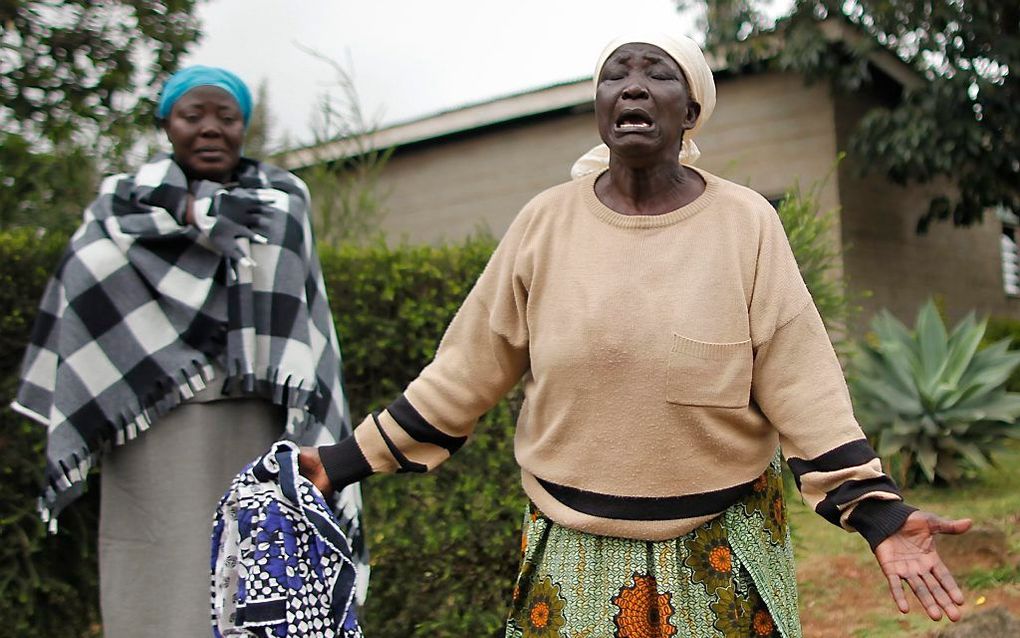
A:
<point x="646" y="508"/>
<point x="877" y="520"/>
<point x="344" y="463"/>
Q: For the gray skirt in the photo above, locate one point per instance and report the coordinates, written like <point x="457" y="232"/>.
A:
<point x="158" y="494"/>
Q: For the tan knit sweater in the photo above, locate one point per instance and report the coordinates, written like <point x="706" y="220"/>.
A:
<point x="664" y="358"/>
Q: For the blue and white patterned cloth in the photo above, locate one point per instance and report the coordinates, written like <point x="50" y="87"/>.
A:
<point x="281" y="565"/>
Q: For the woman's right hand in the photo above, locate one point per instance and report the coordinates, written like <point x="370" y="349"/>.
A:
<point x="310" y="466"/>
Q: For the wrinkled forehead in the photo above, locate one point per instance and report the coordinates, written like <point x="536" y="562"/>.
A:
<point x="649" y="52"/>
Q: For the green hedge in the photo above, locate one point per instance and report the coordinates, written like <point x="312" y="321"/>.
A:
<point x="47" y="583"/>
<point x="444" y="546"/>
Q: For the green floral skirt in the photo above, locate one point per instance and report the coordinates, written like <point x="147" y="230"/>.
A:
<point x="731" y="577"/>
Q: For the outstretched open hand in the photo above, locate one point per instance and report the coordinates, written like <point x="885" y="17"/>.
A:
<point x="910" y="555"/>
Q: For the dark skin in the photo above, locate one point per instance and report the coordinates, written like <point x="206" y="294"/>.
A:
<point x="643" y="108"/>
<point x="310" y="466"/>
<point x="206" y="130"/>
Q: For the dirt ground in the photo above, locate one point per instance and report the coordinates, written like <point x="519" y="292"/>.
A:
<point x="844" y="596"/>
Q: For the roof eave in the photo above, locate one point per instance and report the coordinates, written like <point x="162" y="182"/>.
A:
<point x="545" y="100"/>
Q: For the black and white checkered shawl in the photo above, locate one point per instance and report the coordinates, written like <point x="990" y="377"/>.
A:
<point x="141" y="306"/>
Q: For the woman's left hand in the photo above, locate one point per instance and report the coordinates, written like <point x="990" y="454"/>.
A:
<point x="910" y="555"/>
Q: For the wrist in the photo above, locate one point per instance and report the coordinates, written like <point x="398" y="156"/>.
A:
<point x="344" y="463"/>
<point x="877" y="520"/>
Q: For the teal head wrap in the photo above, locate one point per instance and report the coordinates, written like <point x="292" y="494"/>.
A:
<point x="192" y="76"/>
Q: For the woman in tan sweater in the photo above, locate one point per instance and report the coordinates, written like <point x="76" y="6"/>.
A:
<point x="668" y="349"/>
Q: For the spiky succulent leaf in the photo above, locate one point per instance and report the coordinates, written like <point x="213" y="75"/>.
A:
<point x="932" y="398"/>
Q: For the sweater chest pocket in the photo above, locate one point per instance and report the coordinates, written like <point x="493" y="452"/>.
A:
<point x="715" y="375"/>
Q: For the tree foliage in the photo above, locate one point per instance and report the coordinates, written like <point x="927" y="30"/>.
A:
<point x="45" y="190"/>
<point x="812" y="234"/>
<point x="78" y="83"/>
<point x="959" y="122"/>
<point x="77" y="67"/>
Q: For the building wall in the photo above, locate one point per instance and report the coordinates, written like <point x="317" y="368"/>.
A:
<point x="450" y="189"/>
<point x="768" y="131"/>
<point x="901" y="269"/>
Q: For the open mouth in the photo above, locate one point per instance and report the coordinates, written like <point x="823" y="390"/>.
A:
<point x="634" y="120"/>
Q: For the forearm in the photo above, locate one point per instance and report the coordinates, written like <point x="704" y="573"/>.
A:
<point x="427" y="424"/>
<point x="484" y="352"/>
<point x="800" y="386"/>
<point x="475" y="366"/>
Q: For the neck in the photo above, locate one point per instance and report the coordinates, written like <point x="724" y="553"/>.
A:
<point x="648" y="190"/>
<point x="218" y="178"/>
<point x="196" y="176"/>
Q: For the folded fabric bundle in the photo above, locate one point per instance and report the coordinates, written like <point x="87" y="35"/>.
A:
<point x="281" y="566"/>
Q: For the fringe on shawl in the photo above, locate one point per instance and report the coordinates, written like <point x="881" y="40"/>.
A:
<point x="167" y="394"/>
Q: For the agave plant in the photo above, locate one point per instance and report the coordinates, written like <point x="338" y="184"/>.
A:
<point x="934" y="402"/>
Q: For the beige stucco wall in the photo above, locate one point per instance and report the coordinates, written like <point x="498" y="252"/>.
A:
<point x="449" y="189"/>
<point x="900" y="268"/>
<point x="770" y="131"/>
<point x="767" y="131"/>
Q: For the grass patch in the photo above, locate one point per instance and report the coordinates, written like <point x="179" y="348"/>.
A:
<point x="988" y="578"/>
<point x="889" y="627"/>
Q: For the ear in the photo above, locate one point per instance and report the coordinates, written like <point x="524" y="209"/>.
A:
<point x="692" y="115"/>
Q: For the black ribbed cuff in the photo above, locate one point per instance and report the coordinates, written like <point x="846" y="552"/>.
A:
<point x="877" y="520"/>
<point x="344" y="463"/>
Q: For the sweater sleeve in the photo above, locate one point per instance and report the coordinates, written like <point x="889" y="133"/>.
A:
<point x="798" y="383"/>
<point x="482" y="355"/>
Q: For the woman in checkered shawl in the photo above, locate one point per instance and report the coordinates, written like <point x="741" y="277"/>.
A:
<point x="191" y="299"/>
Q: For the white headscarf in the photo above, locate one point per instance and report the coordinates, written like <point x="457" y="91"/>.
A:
<point x="692" y="62"/>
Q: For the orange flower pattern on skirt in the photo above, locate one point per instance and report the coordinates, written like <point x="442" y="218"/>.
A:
<point x="767" y="499"/>
<point x="732" y="577"/>
<point x="709" y="555"/>
<point x="762" y="624"/>
<point x="542" y="614"/>
<point x="644" y="612"/>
